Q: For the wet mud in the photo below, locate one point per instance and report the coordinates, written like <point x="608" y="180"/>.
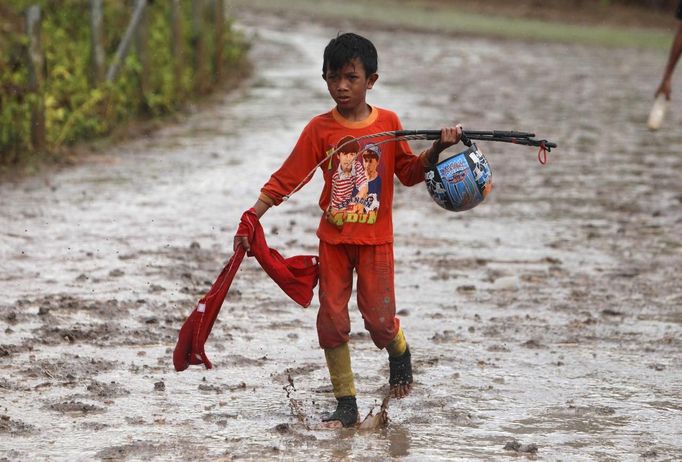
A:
<point x="544" y="324"/>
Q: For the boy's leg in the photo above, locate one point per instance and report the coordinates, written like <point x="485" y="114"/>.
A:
<point x="400" y="365"/>
<point x="376" y="295"/>
<point x="336" y="286"/>
<point x="376" y="300"/>
<point x="333" y="328"/>
<point x="398" y="345"/>
<point x="341" y="374"/>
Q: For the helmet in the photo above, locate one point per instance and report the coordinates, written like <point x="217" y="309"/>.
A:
<point x="461" y="181"/>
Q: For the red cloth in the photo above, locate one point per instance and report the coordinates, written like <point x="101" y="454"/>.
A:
<point x="197" y="327"/>
<point x="297" y="276"/>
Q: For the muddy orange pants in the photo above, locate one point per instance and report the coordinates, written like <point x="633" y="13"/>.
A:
<point x="376" y="294"/>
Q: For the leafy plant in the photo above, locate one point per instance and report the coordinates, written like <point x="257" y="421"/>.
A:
<point x="75" y="107"/>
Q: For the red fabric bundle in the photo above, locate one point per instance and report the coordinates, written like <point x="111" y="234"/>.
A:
<point x="197" y="327"/>
<point x="297" y="276"/>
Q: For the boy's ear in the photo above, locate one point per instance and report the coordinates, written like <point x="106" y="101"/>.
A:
<point x="371" y="80"/>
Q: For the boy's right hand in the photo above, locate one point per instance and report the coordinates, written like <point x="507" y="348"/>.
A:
<point x="259" y="208"/>
<point x="241" y="241"/>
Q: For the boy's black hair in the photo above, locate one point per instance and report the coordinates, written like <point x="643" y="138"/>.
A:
<point x="346" y="47"/>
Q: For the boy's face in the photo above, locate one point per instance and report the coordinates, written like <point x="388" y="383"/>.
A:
<point x="348" y="86"/>
<point x="346" y="161"/>
<point x="370" y="162"/>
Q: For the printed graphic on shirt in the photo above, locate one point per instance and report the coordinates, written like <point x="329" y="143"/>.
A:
<point x="356" y="183"/>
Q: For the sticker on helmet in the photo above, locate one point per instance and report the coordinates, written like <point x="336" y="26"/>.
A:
<point x="460" y="182"/>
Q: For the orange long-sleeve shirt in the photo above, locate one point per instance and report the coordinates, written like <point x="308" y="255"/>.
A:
<point x="362" y="211"/>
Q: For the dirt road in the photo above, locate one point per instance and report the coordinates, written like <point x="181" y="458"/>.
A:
<point x="550" y="315"/>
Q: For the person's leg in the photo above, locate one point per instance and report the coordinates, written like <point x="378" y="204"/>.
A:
<point x="376" y="295"/>
<point x="336" y="286"/>
<point x="341" y="374"/>
<point x="400" y="365"/>
<point x="376" y="301"/>
<point x="333" y="329"/>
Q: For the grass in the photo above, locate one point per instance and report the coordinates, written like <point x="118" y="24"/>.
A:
<point x="447" y="19"/>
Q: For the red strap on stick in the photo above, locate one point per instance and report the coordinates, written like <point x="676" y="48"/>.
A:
<point x="542" y="153"/>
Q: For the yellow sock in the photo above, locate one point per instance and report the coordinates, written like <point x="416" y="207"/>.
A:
<point x="398" y="345"/>
<point x="338" y="363"/>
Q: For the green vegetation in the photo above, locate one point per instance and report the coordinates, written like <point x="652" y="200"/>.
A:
<point x="76" y="105"/>
<point x="450" y="19"/>
<point x="154" y="80"/>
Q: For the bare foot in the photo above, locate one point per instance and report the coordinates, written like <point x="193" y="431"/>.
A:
<point x="401" y="391"/>
<point x="330" y="425"/>
<point x="346" y="413"/>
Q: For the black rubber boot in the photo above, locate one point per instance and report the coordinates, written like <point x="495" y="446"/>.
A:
<point x="401" y="369"/>
<point x="346" y="411"/>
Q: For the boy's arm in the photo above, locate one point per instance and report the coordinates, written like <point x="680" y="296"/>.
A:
<point x="449" y="136"/>
<point x="410" y="168"/>
<point x="296" y="169"/>
<point x="260" y="207"/>
<point x="302" y="159"/>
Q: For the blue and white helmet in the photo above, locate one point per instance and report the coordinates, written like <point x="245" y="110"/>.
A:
<point x="461" y="181"/>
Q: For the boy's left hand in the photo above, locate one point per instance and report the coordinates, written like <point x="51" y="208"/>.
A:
<point x="449" y="136"/>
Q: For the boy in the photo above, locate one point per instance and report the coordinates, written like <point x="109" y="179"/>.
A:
<point x="350" y="241"/>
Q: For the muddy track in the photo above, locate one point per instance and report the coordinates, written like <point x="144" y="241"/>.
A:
<point x="548" y="317"/>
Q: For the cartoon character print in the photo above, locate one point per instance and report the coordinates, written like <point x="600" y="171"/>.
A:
<point x="481" y="171"/>
<point x="459" y="181"/>
<point x="436" y="188"/>
<point x="371" y="154"/>
<point x="356" y="184"/>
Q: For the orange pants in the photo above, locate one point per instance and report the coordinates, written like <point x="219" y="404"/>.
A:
<point x="376" y="294"/>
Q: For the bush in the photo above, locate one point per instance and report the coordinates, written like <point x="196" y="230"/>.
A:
<point x="76" y="106"/>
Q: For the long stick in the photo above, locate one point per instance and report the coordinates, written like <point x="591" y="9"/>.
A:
<point x="494" y="135"/>
<point x="467" y="135"/>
